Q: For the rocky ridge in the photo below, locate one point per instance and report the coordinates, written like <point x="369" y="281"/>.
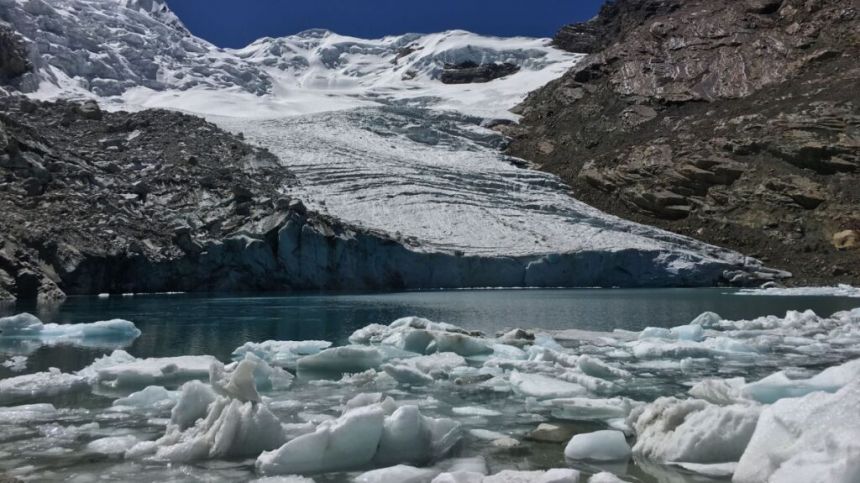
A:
<point x="737" y="123"/>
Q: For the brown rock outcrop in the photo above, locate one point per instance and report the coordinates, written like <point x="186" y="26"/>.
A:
<point x="736" y="122"/>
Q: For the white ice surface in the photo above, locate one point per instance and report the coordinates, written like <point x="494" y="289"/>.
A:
<point x="362" y="436"/>
<point x="606" y="445"/>
<point x="132" y="372"/>
<point x="25" y="332"/>
<point x="40" y="385"/>
<point x="693" y="431"/>
<point x="813" y="439"/>
<point x="840" y="290"/>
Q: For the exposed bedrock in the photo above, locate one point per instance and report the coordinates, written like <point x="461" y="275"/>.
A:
<point x="733" y="122"/>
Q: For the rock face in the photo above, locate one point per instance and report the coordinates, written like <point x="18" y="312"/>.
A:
<point x="471" y="72"/>
<point x="737" y="123"/>
<point x="13" y="56"/>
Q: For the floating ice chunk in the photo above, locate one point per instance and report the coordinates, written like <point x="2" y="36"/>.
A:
<point x="841" y="290"/>
<point x="117" y="357"/>
<point x="423" y="336"/>
<point x="151" y="397"/>
<point x="231" y="429"/>
<point x="406" y="374"/>
<point x="363" y="436"/>
<point x="281" y="353"/>
<point x="487" y="435"/>
<point x="16" y="363"/>
<point x="409" y="437"/>
<point x="21" y="325"/>
<point x="716" y="470"/>
<point x="586" y="409"/>
<point x="440" y="363"/>
<point x="105" y="334"/>
<point x="692" y="332"/>
<point x="475" y="411"/>
<point x="504" y="351"/>
<point x="398" y="474"/>
<point x="605" y="477"/>
<point x="459" y="477"/>
<point x="40" y="385"/>
<point x="114" y="446"/>
<point x="606" y="445"/>
<point x="347" y="443"/>
<point x="283" y="479"/>
<point x="557" y="475"/>
<point x="340" y="360"/>
<point x="119" y="371"/>
<point x="707" y="320"/>
<point x="193" y="403"/>
<point x="693" y="431"/>
<point x="597" y="368"/>
<point x="370" y="334"/>
<point x="778" y="385"/>
<point x="719" y="391"/>
<point x="28" y="413"/>
<point x="810" y="439"/>
<point x="237" y="384"/>
<point x="543" y="387"/>
<point x="368" y="399"/>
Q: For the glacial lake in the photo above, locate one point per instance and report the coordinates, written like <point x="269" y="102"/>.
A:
<point x="186" y="324"/>
<point x="55" y="446"/>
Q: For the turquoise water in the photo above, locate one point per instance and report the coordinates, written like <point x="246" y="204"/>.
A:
<point x="196" y="324"/>
<point x="55" y="450"/>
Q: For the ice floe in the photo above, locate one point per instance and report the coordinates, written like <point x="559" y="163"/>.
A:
<point x="363" y="436"/>
<point x="123" y="370"/>
<point x="809" y="439"/>
<point x="841" y="290"/>
<point x="40" y="385"/>
<point x="24" y="333"/>
<point x="606" y="445"/>
<point x="399" y="405"/>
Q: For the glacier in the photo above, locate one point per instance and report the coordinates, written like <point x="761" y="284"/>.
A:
<point x="405" y="164"/>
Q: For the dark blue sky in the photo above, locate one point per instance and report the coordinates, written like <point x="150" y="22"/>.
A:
<point x="236" y="23"/>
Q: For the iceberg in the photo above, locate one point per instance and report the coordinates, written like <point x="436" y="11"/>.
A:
<point x="399" y="474"/>
<point x="25" y="332"/>
<point x="543" y="387"/>
<point x="693" y="431"/>
<point x="778" y="385"/>
<point x="811" y="439"/>
<point x="122" y="370"/>
<point x="341" y="360"/>
<point x="364" y="436"/>
<point x="204" y="425"/>
<point x="16" y="363"/>
<point x="606" y="445"/>
<point x="281" y="353"/>
<point x="149" y="398"/>
<point x="587" y="409"/>
<point x="557" y="475"/>
<point x="40" y="385"/>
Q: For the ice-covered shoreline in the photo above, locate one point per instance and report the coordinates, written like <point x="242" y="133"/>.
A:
<point x="706" y="398"/>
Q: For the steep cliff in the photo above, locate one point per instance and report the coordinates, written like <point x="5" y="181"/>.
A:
<point x="735" y="122"/>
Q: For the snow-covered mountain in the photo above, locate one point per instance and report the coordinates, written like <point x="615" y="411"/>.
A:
<point x="373" y="134"/>
<point x="137" y="53"/>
